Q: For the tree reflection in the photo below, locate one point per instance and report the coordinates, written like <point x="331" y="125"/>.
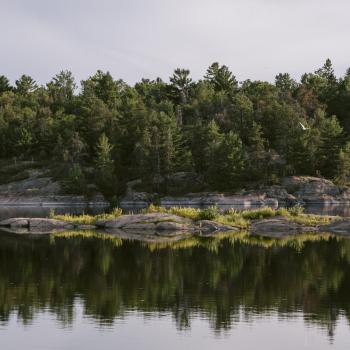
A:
<point x="224" y="280"/>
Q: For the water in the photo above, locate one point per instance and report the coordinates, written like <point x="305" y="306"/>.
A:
<point x="66" y="292"/>
<point x="33" y="211"/>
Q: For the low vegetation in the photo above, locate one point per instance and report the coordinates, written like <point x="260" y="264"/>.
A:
<point x="86" y="219"/>
<point x="233" y="217"/>
<point x="243" y="218"/>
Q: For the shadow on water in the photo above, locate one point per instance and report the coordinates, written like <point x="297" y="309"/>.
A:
<point x="225" y="280"/>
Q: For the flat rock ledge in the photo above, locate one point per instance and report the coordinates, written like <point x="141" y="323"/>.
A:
<point x="279" y="227"/>
<point x="36" y="224"/>
<point x="161" y="224"/>
<point x="155" y="223"/>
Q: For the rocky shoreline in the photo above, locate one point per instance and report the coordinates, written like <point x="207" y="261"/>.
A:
<point x="304" y="190"/>
<point x="154" y="223"/>
<point x="168" y="225"/>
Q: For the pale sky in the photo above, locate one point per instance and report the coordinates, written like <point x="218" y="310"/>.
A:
<point x="148" y="38"/>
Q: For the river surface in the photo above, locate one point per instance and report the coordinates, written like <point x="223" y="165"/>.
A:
<point x="84" y="292"/>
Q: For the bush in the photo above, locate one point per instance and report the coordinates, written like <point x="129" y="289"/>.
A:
<point x="282" y="212"/>
<point x="260" y="213"/>
<point x="190" y="213"/>
<point x="154" y="209"/>
<point x="85" y="219"/>
<point x="209" y="213"/>
<point x="296" y="210"/>
<point x="116" y="212"/>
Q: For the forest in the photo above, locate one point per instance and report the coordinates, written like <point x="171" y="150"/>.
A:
<point x="230" y="134"/>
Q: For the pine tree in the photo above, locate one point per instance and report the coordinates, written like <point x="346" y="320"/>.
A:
<point x="257" y="157"/>
<point x="105" y="177"/>
<point x="343" y="170"/>
<point x="226" y="172"/>
<point x="4" y="84"/>
<point x="331" y="135"/>
<point x="221" y="78"/>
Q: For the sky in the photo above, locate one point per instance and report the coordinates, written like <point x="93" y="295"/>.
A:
<point x="134" y="39"/>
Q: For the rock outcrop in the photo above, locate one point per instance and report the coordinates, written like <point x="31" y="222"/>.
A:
<point x="36" y="224"/>
<point x="311" y="190"/>
<point x="41" y="190"/>
<point x="341" y="227"/>
<point x="153" y="223"/>
<point x="278" y="227"/>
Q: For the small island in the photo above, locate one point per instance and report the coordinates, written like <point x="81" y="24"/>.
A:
<point x="162" y="223"/>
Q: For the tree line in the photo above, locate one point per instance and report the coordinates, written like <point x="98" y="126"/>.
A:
<point x="229" y="133"/>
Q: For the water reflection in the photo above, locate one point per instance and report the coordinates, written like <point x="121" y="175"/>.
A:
<point x="225" y="281"/>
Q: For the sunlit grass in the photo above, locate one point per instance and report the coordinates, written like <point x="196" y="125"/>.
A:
<point x="240" y="219"/>
<point x="313" y="220"/>
<point x="209" y="213"/>
<point x="85" y="219"/>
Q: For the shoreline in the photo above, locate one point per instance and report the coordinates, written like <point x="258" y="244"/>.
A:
<point x="164" y="223"/>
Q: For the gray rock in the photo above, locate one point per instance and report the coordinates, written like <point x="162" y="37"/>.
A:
<point x="315" y="190"/>
<point x="48" y="224"/>
<point x="140" y="226"/>
<point x="207" y="226"/>
<point x="339" y="227"/>
<point x="140" y="219"/>
<point x="15" y="222"/>
<point x="172" y="226"/>
<point x="278" y="227"/>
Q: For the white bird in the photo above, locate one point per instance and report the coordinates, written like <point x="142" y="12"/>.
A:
<point x="303" y="127"/>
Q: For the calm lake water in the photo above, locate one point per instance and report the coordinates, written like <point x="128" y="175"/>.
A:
<point x="68" y="292"/>
<point x="38" y="211"/>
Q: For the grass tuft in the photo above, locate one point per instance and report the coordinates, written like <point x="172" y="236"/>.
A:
<point x="86" y="219"/>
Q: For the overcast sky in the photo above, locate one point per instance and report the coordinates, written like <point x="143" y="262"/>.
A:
<point x="148" y="38"/>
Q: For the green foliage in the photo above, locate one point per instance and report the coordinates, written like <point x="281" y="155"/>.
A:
<point x="221" y="78"/>
<point x="343" y="170"/>
<point x="312" y="220"/>
<point x="190" y="213"/>
<point x="242" y="219"/>
<point x="85" y="219"/>
<point x="296" y="210"/>
<point x="75" y="181"/>
<point x="210" y="213"/>
<point x="231" y="134"/>
<point x="258" y="214"/>
<point x="105" y="176"/>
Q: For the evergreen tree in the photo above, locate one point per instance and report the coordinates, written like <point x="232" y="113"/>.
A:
<point x="104" y="168"/>
<point x="256" y="167"/>
<point x="285" y="83"/>
<point x="343" y="170"/>
<point x="226" y="172"/>
<point x="181" y="82"/>
<point x="4" y="84"/>
<point x="25" y="84"/>
<point x="221" y="78"/>
<point x="331" y="135"/>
